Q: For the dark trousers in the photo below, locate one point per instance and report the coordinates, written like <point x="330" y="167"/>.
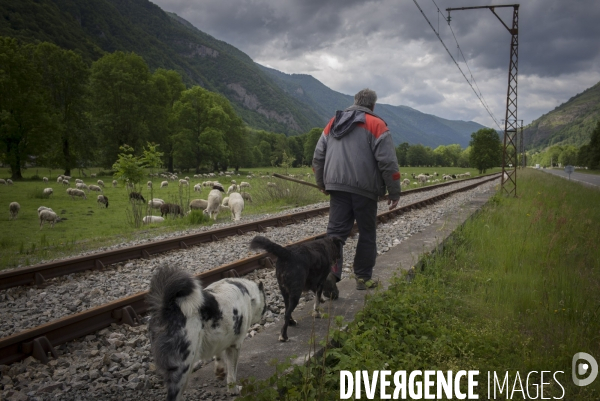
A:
<point x="344" y="208"/>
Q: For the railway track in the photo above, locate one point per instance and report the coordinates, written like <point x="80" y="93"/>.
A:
<point x="40" y="273"/>
<point x="39" y="341"/>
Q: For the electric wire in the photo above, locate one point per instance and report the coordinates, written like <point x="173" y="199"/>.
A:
<point x="480" y="97"/>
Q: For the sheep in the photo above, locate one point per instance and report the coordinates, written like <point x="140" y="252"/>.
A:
<point x="247" y="197"/>
<point x="236" y="205"/>
<point x="95" y="188"/>
<point x="422" y="178"/>
<point x="271" y="184"/>
<point x="13" y="210"/>
<point x="82" y="186"/>
<point x="244" y="184"/>
<point x="78" y="181"/>
<point x="114" y="183"/>
<point x="136" y="196"/>
<point x="66" y="177"/>
<point x="9" y="182"/>
<point x="100" y="183"/>
<point x="45" y="179"/>
<point x="2" y="181"/>
<point x="59" y="179"/>
<point x="406" y="182"/>
<point x="39" y="210"/>
<point x="164" y="184"/>
<point x="48" y="191"/>
<point x="207" y="184"/>
<point x="65" y="182"/>
<point x="102" y="200"/>
<point x="198" y="188"/>
<point x="233" y="181"/>
<point x="214" y="201"/>
<point x="76" y="192"/>
<point x="233" y="188"/>
<point x="149" y="184"/>
<point x="170" y="208"/>
<point x="225" y="201"/>
<point x="155" y="203"/>
<point x="198" y="204"/>
<point x="468" y="173"/>
<point x="93" y="175"/>
<point x="219" y="186"/>
<point x="153" y="219"/>
<point x="49" y="216"/>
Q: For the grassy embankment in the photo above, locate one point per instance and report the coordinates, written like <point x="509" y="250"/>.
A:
<point x="88" y="227"/>
<point x="517" y="290"/>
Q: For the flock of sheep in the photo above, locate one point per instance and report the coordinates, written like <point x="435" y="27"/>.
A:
<point x="430" y="178"/>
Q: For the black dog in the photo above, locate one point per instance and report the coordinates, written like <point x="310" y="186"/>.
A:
<point x="300" y="268"/>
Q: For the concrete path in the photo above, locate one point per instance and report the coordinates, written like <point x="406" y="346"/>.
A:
<point x="257" y="352"/>
<point x="585" y="179"/>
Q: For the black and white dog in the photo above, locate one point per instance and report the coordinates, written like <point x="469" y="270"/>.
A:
<point x="188" y="323"/>
<point x="300" y="268"/>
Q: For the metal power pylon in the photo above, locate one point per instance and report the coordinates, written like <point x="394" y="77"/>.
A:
<point x="509" y="152"/>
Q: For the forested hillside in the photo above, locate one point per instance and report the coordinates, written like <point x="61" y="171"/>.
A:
<point x="571" y="123"/>
<point x="95" y="27"/>
<point x="405" y="123"/>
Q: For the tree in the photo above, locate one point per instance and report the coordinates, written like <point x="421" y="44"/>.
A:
<point x="486" y="150"/>
<point x="568" y="156"/>
<point x="121" y="98"/>
<point x="402" y="153"/>
<point x="25" y="126"/>
<point x="593" y="148"/>
<point x="310" y="143"/>
<point x="419" y="155"/>
<point x="65" y="76"/>
<point x="166" y="87"/>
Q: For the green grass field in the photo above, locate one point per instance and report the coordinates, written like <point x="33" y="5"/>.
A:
<point x="516" y="290"/>
<point x="87" y="227"/>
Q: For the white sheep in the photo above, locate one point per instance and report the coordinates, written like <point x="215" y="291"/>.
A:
<point x="468" y="173"/>
<point x="49" y="216"/>
<point x="2" y="181"/>
<point x="271" y="184"/>
<point x="9" y="182"/>
<point x="82" y="186"/>
<point x="114" y="183"/>
<point x="184" y="182"/>
<point x="197" y="204"/>
<point x="48" y="191"/>
<point x="66" y="177"/>
<point x="93" y="175"/>
<point x="65" y="183"/>
<point x="233" y="188"/>
<point x="78" y="181"/>
<point x="225" y="201"/>
<point x="247" y="196"/>
<point x="102" y="200"/>
<point x="59" y="179"/>
<point x="236" y="205"/>
<point x="245" y="184"/>
<point x="95" y="188"/>
<point x="149" y="184"/>
<point x="153" y="219"/>
<point x="155" y="203"/>
<point x="101" y="183"/>
<point x="233" y="181"/>
<point x="198" y="188"/>
<point x="43" y="208"/>
<point x="406" y="182"/>
<point x="164" y="184"/>
<point x="13" y="210"/>
<point x="76" y="192"/>
<point x="422" y="178"/>
<point x="214" y="201"/>
<point x="45" y="179"/>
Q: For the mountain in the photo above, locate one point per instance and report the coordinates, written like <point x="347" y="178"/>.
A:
<point x="571" y="123"/>
<point x="405" y="123"/>
<point x="263" y="98"/>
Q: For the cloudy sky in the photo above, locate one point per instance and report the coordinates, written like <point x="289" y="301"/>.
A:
<point x="388" y="46"/>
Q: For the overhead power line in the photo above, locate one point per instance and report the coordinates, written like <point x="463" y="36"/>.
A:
<point x="479" y="95"/>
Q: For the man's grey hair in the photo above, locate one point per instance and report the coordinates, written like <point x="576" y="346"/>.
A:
<point x="366" y="98"/>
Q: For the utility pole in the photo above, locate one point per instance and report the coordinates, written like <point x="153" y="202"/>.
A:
<point x="522" y="148"/>
<point x="509" y="149"/>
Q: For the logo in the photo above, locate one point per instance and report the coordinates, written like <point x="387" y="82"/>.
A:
<point x="589" y="367"/>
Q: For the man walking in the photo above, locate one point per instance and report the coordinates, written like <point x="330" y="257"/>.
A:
<point x="355" y="162"/>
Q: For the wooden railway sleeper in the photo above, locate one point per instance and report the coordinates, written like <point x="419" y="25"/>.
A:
<point x="39" y="279"/>
<point x="230" y="274"/>
<point x="39" y="349"/>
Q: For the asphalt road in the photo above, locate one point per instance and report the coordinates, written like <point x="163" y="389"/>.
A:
<point x="587" y="179"/>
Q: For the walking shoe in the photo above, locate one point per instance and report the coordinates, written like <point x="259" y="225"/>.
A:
<point x="368" y="284"/>
<point x="330" y="289"/>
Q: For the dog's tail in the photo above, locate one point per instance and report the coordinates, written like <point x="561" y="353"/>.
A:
<point x="174" y="299"/>
<point x="260" y="242"/>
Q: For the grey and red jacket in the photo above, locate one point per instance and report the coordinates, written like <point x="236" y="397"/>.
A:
<point x="355" y="153"/>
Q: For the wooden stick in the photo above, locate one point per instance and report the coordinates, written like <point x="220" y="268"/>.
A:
<point x="295" y="180"/>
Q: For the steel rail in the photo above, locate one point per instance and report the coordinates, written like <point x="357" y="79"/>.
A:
<point x="38" y="274"/>
<point x="39" y="341"/>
